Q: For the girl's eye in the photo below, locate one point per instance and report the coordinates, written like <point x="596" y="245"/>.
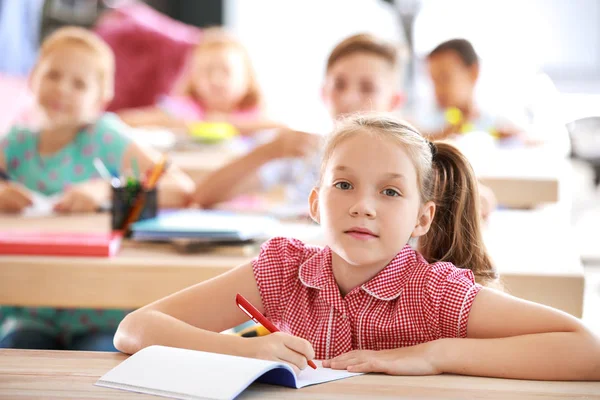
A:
<point x="53" y="75"/>
<point x="343" y="185"/>
<point x="391" y="193"/>
<point x="79" y="84"/>
<point x="367" y="88"/>
<point x="339" y="84"/>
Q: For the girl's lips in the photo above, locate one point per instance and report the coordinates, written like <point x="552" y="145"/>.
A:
<point x="361" y="233"/>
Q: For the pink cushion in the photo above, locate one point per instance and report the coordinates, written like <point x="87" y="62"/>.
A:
<point x="150" y="49"/>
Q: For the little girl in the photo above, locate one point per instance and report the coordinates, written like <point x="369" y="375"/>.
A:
<point x="219" y="86"/>
<point x="369" y="302"/>
<point x="72" y="82"/>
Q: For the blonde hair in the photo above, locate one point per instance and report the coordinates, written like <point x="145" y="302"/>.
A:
<point x="370" y="44"/>
<point x="91" y="41"/>
<point x="217" y="38"/>
<point x="445" y="178"/>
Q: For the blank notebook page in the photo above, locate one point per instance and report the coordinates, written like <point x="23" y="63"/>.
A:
<point x="188" y="374"/>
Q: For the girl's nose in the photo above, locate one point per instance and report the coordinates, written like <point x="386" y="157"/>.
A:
<point x="363" y="208"/>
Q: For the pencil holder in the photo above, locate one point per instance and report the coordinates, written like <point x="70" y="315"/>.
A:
<point x="123" y="200"/>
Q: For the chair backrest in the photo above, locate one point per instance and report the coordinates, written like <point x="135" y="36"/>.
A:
<point x="585" y="139"/>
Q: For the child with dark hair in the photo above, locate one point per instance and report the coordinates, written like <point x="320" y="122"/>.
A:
<point x="454" y="68"/>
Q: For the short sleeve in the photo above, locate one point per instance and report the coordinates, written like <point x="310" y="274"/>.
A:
<point x="181" y="107"/>
<point x="6" y="145"/>
<point x="110" y="135"/>
<point x="14" y="147"/>
<point x="276" y="272"/>
<point x="448" y="296"/>
<point x="277" y="172"/>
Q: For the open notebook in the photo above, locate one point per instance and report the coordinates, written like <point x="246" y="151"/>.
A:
<point x="203" y="225"/>
<point x="188" y="374"/>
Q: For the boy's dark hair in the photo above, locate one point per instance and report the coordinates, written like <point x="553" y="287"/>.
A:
<point x="462" y="47"/>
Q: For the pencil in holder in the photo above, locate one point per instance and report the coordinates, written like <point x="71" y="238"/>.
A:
<point x="123" y="200"/>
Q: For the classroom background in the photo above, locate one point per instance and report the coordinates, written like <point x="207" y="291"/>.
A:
<point x="540" y="66"/>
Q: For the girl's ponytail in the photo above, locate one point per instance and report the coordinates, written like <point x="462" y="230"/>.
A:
<point x="455" y="234"/>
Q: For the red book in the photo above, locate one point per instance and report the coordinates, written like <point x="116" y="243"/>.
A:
<point x="60" y="244"/>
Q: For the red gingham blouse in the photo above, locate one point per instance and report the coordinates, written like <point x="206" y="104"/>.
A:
<point x="407" y="303"/>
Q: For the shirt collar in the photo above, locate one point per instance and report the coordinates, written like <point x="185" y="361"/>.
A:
<point x="389" y="282"/>
<point x="316" y="273"/>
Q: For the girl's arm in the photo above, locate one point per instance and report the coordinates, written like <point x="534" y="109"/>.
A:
<point x="13" y="197"/>
<point x="193" y="317"/>
<point x="506" y="338"/>
<point x="240" y="176"/>
<point x="512" y="338"/>
<point x="249" y="126"/>
<point x="152" y="117"/>
<point x="174" y="189"/>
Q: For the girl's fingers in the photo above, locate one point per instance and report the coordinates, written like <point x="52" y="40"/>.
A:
<point x="296" y="360"/>
<point x="344" y="363"/>
<point x="77" y="205"/>
<point x="65" y="204"/>
<point x="364" y="367"/>
<point x="10" y="206"/>
<point x="299" y="345"/>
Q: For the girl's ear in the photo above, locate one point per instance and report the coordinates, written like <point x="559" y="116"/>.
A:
<point x="397" y="101"/>
<point x="474" y="72"/>
<point x="313" y="202"/>
<point x="31" y="78"/>
<point x="424" y="220"/>
<point x="324" y="97"/>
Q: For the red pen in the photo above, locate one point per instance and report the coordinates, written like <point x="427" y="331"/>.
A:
<point x="257" y="317"/>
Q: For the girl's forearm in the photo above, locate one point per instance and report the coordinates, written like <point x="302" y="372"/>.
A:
<point x="142" y="329"/>
<point x="543" y="356"/>
<point x="225" y="183"/>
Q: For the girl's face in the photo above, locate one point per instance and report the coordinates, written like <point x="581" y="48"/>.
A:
<point x="360" y="82"/>
<point x="220" y="78"/>
<point x="67" y="86"/>
<point x="369" y="201"/>
<point x="453" y="81"/>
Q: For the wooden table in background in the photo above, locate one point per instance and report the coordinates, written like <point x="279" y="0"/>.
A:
<point x="26" y="374"/>
<point x="522" y="178"/>
<point x="532" y="249"/>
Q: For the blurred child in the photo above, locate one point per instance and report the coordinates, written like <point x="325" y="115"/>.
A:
<point x="72" y="82"/>
<point x="219" y="85"/>
<point x="362" y="74"/>
<point x="454" y="70"/>
<point x="369" y="301"/>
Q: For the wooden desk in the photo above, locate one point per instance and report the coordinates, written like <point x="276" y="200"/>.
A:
<point x="530" y="248"/>
<point x="26" y="374"/>
<point x="520" y="178"/>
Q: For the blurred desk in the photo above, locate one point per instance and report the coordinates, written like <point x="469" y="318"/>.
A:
<point x="519" y="178"/>
<point x="26" y="374"/>
<point x="533" y="252"/>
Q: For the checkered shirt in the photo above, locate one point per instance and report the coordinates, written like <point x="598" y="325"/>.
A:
<point x="407" y="303"/>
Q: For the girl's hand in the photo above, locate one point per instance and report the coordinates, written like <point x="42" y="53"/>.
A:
<point x="14" y="198"/>
<point x="280" y="346"/>
<point x="414" y="360"/>
<point x="79" y="199"/>
<point x="487" y="201"/>
<point x="289" y="143"/>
